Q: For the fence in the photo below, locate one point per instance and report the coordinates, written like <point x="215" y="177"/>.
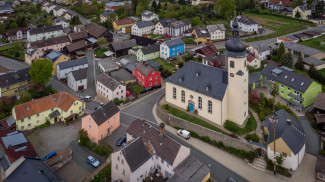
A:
<point x="60" y="160"/>
<point x="202" y="131"/>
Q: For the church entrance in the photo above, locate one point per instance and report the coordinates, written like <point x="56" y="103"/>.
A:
<point x="191" y="106"/>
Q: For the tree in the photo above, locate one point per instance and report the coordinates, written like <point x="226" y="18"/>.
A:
<point x="254" y="97"/>
<point x="41" y="71"/>
<point x="251" y="4"/>
<point x="287" y="60"/>
<point x="154" y="5"/>
<point x="319" y="9"/>
<point x="195" y="21"/>
<point x="296" y="3"/>
<point x="13" y="25"/>
<point x="182" y="2"/>
<point x="225" y="8"/>
<point x="281" y="50"/>
<point x="140" y="9"/>
<point x="23" y="98"/>
<point x="240" y="6"/>
<point x="312" y="72"/>
<point x="102" y="41"/>
<point x="297" y="15"/>
<point x="159" y="6"/>
<point x="299" y="64"/>
<point x="2" y="29"/>
<point x="39" y="6"/>
<point x="279" y="160"/>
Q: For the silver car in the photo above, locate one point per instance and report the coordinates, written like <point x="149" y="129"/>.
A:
<point x="93" y="161"/>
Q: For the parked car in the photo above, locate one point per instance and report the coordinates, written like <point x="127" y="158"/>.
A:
<point x="184" y="133"/>
<point x="93" y="161"/>
<point x="49" y="156"/>
<point x="87" y="98"/>
<point x="128" y="93"/>
<point x="120" y="141"/>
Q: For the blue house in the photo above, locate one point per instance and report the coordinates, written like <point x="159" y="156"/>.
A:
<point x="172" y="48"/>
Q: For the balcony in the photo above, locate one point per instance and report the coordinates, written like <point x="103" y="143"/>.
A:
<point x="297" y="97"/>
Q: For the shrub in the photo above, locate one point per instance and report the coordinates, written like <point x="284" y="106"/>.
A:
<point x="220" y="144"/>
<point x="117" y="101"/>
<point x="254" y="98"/>
<point x="206" y="139"/>
<point x="266" y="137"/>
<point x="194" y="135"/>
<point x="251" y="156"/>
<point x="269" y="102"/>
<point x="17" y="54"/>
<point x="195" y="112"/>
<point x="252" y="137"/>
<point x="188" y="57"/>
<point x="262" y="116"/>
<point x="83" y="138"/>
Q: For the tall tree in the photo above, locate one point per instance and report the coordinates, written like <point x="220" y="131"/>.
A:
<point x="225" y="8"/>
<point x="287" y="60"/>
<point x="140" y="9"/>
<point x="296" y="3"/>
<point x="240" y="6"/>
<point x="154" y="5"/>
<point x="251" y="4"/>
<point x="299" y="64"/>
<point x="181" y="2"/>
<point x="102" y="41"/>
<point x="319" y="9"/>
<point x="297" y="15"/>
<point x="281" y="51"/>
<point x="159" y="6"/>
<point x="2" y="29"/>
<point x="41" y="71"/>
<point x="13" y="25"/>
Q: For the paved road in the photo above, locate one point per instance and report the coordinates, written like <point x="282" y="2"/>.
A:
<point x="313" y="140"/>
<point x="82" y="19"/>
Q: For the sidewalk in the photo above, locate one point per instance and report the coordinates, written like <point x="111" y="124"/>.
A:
<point x="304" y="173"/>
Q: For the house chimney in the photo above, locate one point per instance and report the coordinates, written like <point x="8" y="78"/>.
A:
<point x="143" y="122"/>
<point x="161" y="129"/>
<point x="289" y="121"/>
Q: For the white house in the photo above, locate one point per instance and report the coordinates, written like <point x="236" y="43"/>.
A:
<point x="149" y="16"/>
<point x="142" y="28"/>
<point x="261" y="51"/>
<point x="178" y="28"/>
<point x="59" y="21"/>
<point x="58" y="11"/>
<point x="62" y="69"/>
<point x="161" y="27"/>
<point x="109" y="88"/>
<point x="172" y="48"/>
<point x="290" y="139"/>
<point x="217" y="32"/>
<point x="50" y="7"/>
<point x="246" y="24"/>
<point x="17" y="34"/>
<point x="215" y="94"/>
<point x="253" y="61"/>
<point x="77" y="80"/>
<point x="41" y="33"/>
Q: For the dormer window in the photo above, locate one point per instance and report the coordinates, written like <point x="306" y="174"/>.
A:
<point x="302" y="83"/>
<point x="181" y="78"/>
<point x="197" y="73"/>
<point x="207" y="88"/>
<point x="285" y="76"/>
<point x="292" y="79"/>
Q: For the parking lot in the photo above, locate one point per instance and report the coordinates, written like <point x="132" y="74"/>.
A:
<point x="58" y="138"/>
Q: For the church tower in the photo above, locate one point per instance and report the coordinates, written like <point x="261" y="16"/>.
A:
<point x="237" y="91"/>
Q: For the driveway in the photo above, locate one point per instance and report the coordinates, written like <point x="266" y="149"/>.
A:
<point x="313" y="140"/>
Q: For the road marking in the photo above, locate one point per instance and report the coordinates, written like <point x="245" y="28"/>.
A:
<point x="124" y="125"/>
<point x="155" y="123"/>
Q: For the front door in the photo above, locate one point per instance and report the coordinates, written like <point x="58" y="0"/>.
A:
<point x="191" y="107"/>
<point x="55" y="119"/>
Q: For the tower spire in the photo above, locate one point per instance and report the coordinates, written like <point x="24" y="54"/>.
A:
<point x="234" y="46"/>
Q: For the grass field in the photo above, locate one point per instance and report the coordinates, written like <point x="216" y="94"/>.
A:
<point x="280" y="25"/>
<point x="9" y="50"/>
<point x="250" y="126"/>
<point x="314" y="43"/>
<point x="165" y="64"/>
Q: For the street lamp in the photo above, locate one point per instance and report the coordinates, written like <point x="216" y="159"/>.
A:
<point x="273" y="91"/>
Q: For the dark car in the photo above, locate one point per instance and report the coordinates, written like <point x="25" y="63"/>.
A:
<point x="120" y="141"/>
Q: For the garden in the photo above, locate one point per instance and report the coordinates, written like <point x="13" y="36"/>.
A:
<point x="103" y="175"/>
<point x="314" y="43"/>
<point x="15" y="50"/>
<point x="100" y="149"/>
<point x="100" y="52"/>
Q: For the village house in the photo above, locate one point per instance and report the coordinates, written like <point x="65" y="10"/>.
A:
<point x="14" y="145"/>
<point x="63" y="23"/>
<point x="17" y="34"/>
<point x="102" y="122"/>
<point x="161" y="27"/>
<point x="205" y="50"/>
<point x="318" y="63"/>
<point x="304" y="12"/>
<point x="58" y="11"/>
<point x="159" y="153"/>
<point x="76" y="49"/>
<point x="56" y="57"/>
<point x="110" y="88"/>
<point x="37" y="49"/>
<point x="77" y="36"/>
<point x="104" y="16"/>
<point x="142" y="41"/>
<point x="299" y="91"/>
<point x="40" y="33"/>
<point x="245" y="23"/>
<point x="146" y="75"/>
<point x="295" y="49"/>
<point x="217" y="32"/>
<point x="50" y="8"/>
<point x="253" y="61"/>
<point x="217" y="98"/>
<point x="122" y="48"/>
<point x="177" y="28"/>
<point x="77" y="79"/>
<point x="201" y="35"/>
<point x="260" y="51"/>
<point x="54" y="108"/>
<point x="148" y="52"/>
<point x="149" y="16"/>
<point x="290" y="139"/>
<point x="64" y="68"/>
<point x="94" y="30"/>
<point x="67" y="16"/>
<point x="143" y="28"/>
<point x="12" y="83"/>
<point x="319" y="107"/>
<point x="123" y="24"/>
<point x="172" y="48"/>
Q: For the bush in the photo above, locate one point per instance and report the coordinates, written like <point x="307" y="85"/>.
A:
<point x="269" y="102"/>
<point x="188" y="57"/>
<point x="103" y="150"/>
<point x="17" y="54"/>
<point x="117" y="101"/>
<point x="251" y="156"/>
<point x="266" y="137"/>
<point x="220" y="144"/>
<point x="83" y="138"/>
<point x="252" y="137"/>
<point x="206" y="139"/>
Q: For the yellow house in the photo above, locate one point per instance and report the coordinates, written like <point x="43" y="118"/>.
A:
<point x="303" y="10"/>
<point x="122" y="23"/>
<point x="201" y="35"/>
<point x="53" y="108"/>
<point x="56" y="58"/>
<point x="13" y="82"/>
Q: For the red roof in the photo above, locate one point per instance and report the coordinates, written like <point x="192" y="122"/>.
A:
<point x="250" y="57"/>
<point x="285" y="2"/>
<point x="10" y="152"/>
<point x="124" y="21"/>
<point x="286" y="39"/>
<point x="207" y="50"/>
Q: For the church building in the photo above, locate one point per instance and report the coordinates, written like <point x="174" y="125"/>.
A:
<point x="215" y="94"/>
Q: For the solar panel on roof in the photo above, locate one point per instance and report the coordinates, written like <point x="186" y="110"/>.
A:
<point x="11" y="121"/>
<point x="13" y="140"/>
<point x="20" y="149"/>
<point x="276" y="71"/>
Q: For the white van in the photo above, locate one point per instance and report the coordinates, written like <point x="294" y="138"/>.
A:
<point x="184" y="133"/>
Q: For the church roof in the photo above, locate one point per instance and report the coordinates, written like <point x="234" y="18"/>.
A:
<point x="206" y="80"/>
<point x="234" y="46"/>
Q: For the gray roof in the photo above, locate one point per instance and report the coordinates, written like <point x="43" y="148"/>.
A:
<point x="122" y="75"/>
<point x="14" y="139"/>
<point x="202" y="32"/>
<point x="53" y="55"/>
<point x="262" y="48"/>
<point x="108" y="81"/>
<point x="144" y="68"/>
<point x="314" y="61"/>
<point x="301" y="48"/>
<point x="213" y="28"/>
<point x="150" y="49"/>
<point x="80" y="74"/>
<point x="13" y="77"/>
<point x="124" y="44"/>
<point x="32" y="169"/>
<point x="292" y="37"/>
<point x="174" y="42"/>
<point x="288" y="78"/>
<point x="190" y="170"/>
<point x="73" y="63"/>
<point x="144" y="24"/>
<point x="214" y="78"/>
<point x="245" y="20"/>
<point x="40" y="30"/>
<point x="166" y="22"/>
<point x="142" y="154"/>
<point x="254" y="77"/>
<point x="103" y="113"/>
<point x="58" y="20"/>
<point x="181" y="23"/>
<point x="289" y="129"/>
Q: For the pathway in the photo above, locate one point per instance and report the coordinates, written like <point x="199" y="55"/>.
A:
<point x="258" y="130"/>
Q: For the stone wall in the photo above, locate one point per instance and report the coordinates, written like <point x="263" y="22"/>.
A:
<point x="202" y="131"/>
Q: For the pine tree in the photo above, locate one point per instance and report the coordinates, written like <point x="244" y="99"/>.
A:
<point x="299" y="64"/>
<point x="281" y="51"/>
<point x="287" y="60"/>
<point x="159" y="6"/>
<point x="154" y="5"/>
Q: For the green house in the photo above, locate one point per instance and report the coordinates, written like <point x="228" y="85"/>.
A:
<point x="148" y="52"/>
<point x="299" y="91"/>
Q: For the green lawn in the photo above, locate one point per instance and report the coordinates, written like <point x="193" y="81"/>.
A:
<point x="103" y="175"/>
<point x="153" y="36"/>
<point x="9" y="50"/>
<point x="314" y="43"/>
<point x="280" y="25"/>
<point x="189" y="41"/>
<point x="100" y="52"/>
<point x="41" y="13"/>
<point x="138" y="88"/>
<point x="192" y="119"/>
<point x="165" y="64"/>
<point x="250" y="126"/>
